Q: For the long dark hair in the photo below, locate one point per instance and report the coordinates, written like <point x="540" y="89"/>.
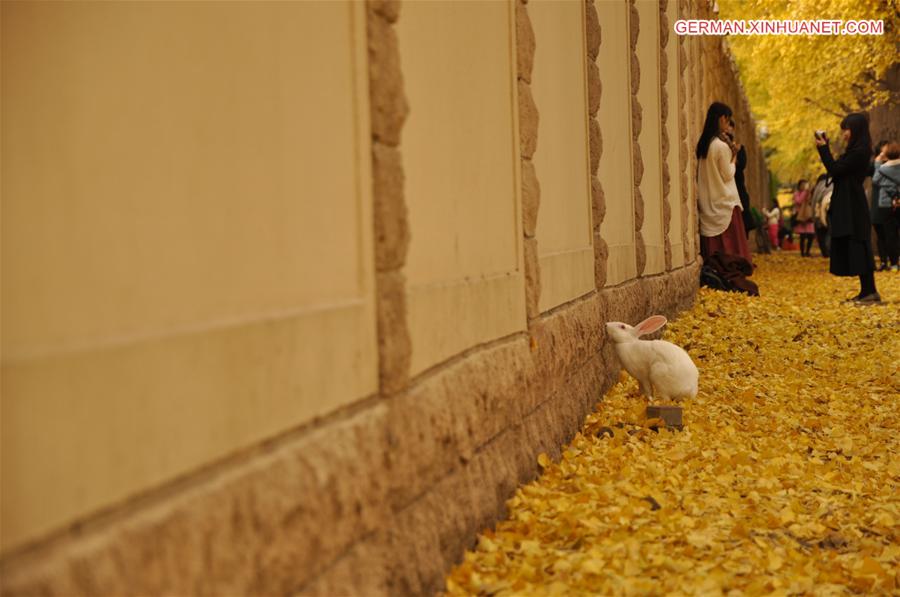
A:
<point x="711" y="127"/>
<point x="858" y="125"/>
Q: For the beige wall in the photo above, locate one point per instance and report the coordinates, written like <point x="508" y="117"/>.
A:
<point x="186" y="248"/>
<point x="460" y="146"/>
<point x="615" y="171"/>
<point x="650" y="139"/>
<point x="564" y="228"/>
<point x="187" y="259"/>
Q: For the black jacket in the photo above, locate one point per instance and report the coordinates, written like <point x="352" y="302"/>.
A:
<point x="739" y="166"/>
<point x="849" y="209"/>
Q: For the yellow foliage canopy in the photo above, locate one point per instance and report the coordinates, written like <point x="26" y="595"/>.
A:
<point x="799" y="84"/>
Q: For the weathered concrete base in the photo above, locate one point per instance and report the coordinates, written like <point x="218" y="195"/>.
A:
<point x="381" y="498"/>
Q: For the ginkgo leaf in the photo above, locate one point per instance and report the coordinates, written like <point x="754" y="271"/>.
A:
<point x="784" y="479"/>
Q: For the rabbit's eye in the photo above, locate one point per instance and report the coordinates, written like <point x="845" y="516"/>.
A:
<point x="622" y="327"/>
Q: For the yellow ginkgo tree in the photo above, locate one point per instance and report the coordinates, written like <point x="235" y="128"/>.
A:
<point x="797" y="84"/>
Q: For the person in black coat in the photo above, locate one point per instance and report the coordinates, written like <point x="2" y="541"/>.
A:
<point x="740" y="165"/>
<point x="851" y="237"/>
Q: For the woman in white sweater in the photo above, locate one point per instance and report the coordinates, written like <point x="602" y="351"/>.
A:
<point x="721" y="223"/>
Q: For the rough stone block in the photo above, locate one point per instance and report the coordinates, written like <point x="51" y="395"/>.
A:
<point x="663" y="107"/>
<point x="637" y="113"/>
<point x="390" y="216"/>
<point x="389" y="107"/>
<point x="601" y="259"/>
<point x="256" y="529"/>
<point x="595" y="87"/>
<point x="394" y="344"/>
<point x="567" y="338"/>
<point x="663" y="26"/>
<point x="389" y="9"/>
<point x="592" y="30"/>
<point x="525" y="43"/>
<point x="528" y="120"/>
<point x="532" y="278"/>
<point x="667" y="208"/>
<point x="637" y="165"/>
<point x="598" y="202"/>
<point x="640" y="250"/>
<point x="531" y="198"/>
<point x="596" y="144"/>
<point x="635" y="73"/>
<point x="664" y="145"/>
<point x="440" y="422"/>
<point x="638" y="208"/>
<point x="363" y="572"/>
<point x="431" y="534"/>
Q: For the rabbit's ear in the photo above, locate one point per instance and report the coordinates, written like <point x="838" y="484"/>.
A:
<point x="650" y="325"/>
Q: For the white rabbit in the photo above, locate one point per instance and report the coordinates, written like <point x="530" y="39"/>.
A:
<point x="659" y="366"/>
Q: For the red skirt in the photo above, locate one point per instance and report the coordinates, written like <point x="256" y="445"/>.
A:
<point x="732" y="241"/>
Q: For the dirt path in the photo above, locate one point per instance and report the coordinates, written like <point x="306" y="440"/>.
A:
<point x="785" y="479"/>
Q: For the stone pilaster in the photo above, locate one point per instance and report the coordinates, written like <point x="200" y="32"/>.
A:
<point x="664" y="132"/>
<point x="595" y="90"/>
<point x="684" y="151"/>
<point x="640" y="248"/>
<point x="389" y="109"/>
<point x="528" y="133"/>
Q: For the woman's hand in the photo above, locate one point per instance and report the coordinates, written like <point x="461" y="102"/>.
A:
<point x="820" y="141"/>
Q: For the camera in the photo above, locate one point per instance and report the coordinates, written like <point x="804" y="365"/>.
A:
<point x="820" y="134"/>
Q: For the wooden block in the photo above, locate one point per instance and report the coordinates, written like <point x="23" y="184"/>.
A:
<point x="672" y="415"/>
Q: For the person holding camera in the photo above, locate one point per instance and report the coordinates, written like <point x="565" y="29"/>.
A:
<point x="718" y="201"/>
<point x="851" y="236"/>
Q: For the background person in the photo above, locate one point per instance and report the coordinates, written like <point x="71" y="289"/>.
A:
<point x="803" y="217"/>
<point x="879" y="216"/>
<point x="821" y="198"/>
<point x="887" y="180"/>
<point x="740" y="165"/>
<point x="851" y="229"/>
<point x="719" y="205"/>
<point x="773" y="217"/>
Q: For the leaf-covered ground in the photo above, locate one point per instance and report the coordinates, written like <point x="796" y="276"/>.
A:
<point x="785" y="479"/>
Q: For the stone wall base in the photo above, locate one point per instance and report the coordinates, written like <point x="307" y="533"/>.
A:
<point x="381" y="498"/>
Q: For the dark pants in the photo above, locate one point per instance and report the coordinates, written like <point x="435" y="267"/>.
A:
<point x="806" y="241"/>
<point x="823" y="240"/>
<point x="880" y="244"/>
<point x="888" y="236"/>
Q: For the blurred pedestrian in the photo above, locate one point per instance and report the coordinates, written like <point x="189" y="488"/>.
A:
<point x="721" y="223"/>
<point x="804" y="216"/>
<point x="887" y="180"/>
<point x="851" y="228"/>
<point x="878" y="215"/>
<point x="821" y="198"/>
<point x="773" y="221"/>
<point x="786" y="231"/>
